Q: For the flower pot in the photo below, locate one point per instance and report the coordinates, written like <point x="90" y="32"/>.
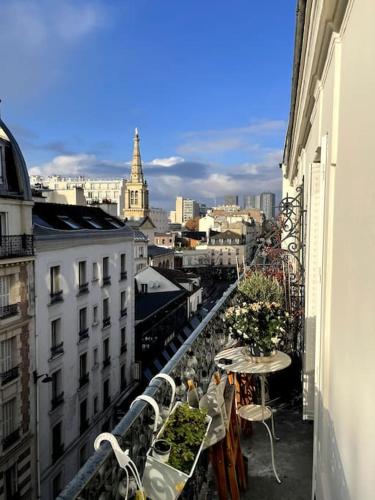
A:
<point x="255" y="354"/>
<point x="160" y="480"/>
<point x="161" y="450"/>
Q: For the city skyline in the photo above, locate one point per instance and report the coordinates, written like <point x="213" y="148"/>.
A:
<point x="71" y="118"/>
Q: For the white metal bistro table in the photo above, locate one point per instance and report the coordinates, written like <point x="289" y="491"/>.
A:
<point x="239" y="362"/>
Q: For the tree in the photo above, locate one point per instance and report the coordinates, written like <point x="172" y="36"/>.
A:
<point x="192" y="224"/>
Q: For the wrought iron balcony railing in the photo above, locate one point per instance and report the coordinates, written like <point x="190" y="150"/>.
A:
<point x="16" y="246"/>
<point x="83" y="288"/>
<point x="83" y="334"/>
<point x="123" y="348"/>
<point x="11" y="438"/>
<point x="106" y="361"/>
<point x="9" y="375"/>
<point x="95" y="478"/>
<point x="124" y="312"/>
<point x="106" y="322"/>
<point x="106" y="280"/>
<point x="57" y="349"/>
<point x="84" y="379"/>
<point x="9" y="310"/>
<point x="56" y="296"/>
<point x="123" y="275"/>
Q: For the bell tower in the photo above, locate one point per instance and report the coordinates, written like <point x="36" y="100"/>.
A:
<point x="136" y="193"/>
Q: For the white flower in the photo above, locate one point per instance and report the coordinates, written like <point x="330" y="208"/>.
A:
<point x="275" y="340"/>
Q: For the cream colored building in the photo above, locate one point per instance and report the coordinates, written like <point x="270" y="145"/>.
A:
<point x="185" y="209"/>
<point x="329" y="151"/>
<point x="18" y="471"/>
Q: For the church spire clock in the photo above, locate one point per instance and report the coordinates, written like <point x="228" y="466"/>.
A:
<point x="136" y="193"/>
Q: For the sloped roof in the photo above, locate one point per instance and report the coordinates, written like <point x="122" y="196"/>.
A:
<point x="75" y="218"/>
<point x="225" y="235"/>
<point x="147" y="304"/>
<point x="154" y="250"/>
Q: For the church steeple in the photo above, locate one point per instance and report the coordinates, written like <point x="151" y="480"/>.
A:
<point x="136" y="191"/>
<point x="136" y="172"/>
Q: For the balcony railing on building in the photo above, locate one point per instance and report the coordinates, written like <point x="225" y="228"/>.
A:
<point x="16" y="246"/>
<point x="123" y="275"/>
<point x="9" y="310"/>
<point x="56" y="296"/>
<point x="106" y="362"/>
<point x="9" y="375"/>
<point x="11" y="438"/>
<point x="106" y="322"/>
<point x="83" y="288"/>
<point x="57" y="349"/>
<point x="83" y="334"/>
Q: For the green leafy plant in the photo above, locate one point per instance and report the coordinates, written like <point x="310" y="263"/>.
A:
<point x="185" y="430"/>
<point x="258" y="287"/>
<point x="260" y="325"/>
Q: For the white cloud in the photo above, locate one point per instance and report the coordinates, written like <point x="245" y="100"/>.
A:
<point x="79" y="164"/>
<point x="166" y="162"/>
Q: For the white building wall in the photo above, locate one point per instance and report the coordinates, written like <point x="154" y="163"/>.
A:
<point x="67" y="254"/>
<point x="340" y="271"/>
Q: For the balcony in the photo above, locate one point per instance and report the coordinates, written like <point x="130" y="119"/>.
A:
<point x="56" y="297"/>
<point x="10" y="439"/>
<point x="293" y="453"/>
<point x="9" y="310"/>
<point x="123" y="349"/>
<point x="57" y="349"/>
<point x="16" y="246"/>
<point x="106" y="362"/>
<point x="124" y="312"/>
<point x="83" y="380"/>
<point x="58" y="451"/>
<point x="106" y="280"/>
<point x="83" y="334"/>
<point x="83" y="288"/>
<point x="106" y="322"/>
<point x="57" y="400"/>
<point x="123" y="275"/>
<point x="9" y="375"/>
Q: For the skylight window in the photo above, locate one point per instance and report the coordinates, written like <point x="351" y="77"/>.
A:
<point x="69" y="222"/>
<point x="93" y="223"/>
<point x="113" y="222"/>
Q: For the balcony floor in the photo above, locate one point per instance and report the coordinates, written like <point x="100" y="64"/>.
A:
<point x="293" y="458"/>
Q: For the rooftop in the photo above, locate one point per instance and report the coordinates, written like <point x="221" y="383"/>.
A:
<point x="154" y="251"/>
<point x="147" y="304"/>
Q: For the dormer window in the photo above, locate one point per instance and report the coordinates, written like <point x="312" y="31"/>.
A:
<point x="69" y="222"/>
<point x="113" y="223"/>
<point x="92" y="222"/>
<point x="2" y="164"/>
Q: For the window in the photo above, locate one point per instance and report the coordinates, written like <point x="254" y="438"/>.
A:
<point x="83" y="365"/>
<point x="69" y="222"/>
<point x="113" y="222"/>
<point x="83" y="455"/>
<point x="56" y="485"/>
<point x="7" y="356"/>
<point x="55" y="285"/>
<point x="123" y="266"/>
<point x="9" y="418"/>
<point x="136" y="197"/>
<point x="123" y="377"/>
<point x="57" y="446"/>
<point x="123" y="339"/>
<point x="57" y="394"/>
<point x="92" y="223"/>
<point x="95" y="274"/>
<point x="10" y="483"/>
<point x="2" y="165"/>
<point x="83" y="420"/>
<point x="56" y="342"/>
<point x="83" y="321"/>
<point x="106" y="276"/>
<point x="123" y="303"/>
<point x="82" y="281"/>
<point x="95" y="405"/>
<point x="106" y="395"/>
<point x="3" y="223"/>
<point x="106" y="316"/>
<point x="4" y="294"/>
<point x="95" y="315"/>
<point x="95" y="357"/>
<point x="144" y="287"/>
<point x="106" y="356"/>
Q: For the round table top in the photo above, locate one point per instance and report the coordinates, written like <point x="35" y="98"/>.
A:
<point x="241" y="363"/>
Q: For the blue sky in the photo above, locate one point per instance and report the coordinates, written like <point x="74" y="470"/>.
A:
<point x="206" y="82"/>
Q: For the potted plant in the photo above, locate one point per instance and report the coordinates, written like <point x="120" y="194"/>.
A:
<point x="185" y="431"/>
<point x="259" y="326"/>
